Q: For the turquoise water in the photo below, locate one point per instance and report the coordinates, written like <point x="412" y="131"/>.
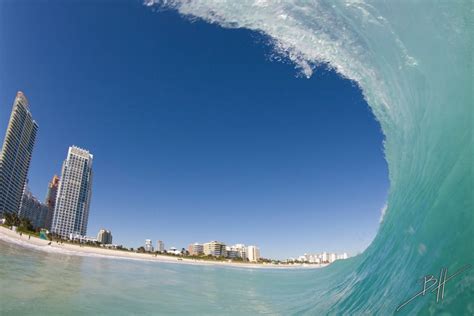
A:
<point x="413" y="61"/>
<point x="41" y="283"/>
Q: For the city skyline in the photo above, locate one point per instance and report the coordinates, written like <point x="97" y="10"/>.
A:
<point x="175" y="144"/>
<point x="53" y="186"/>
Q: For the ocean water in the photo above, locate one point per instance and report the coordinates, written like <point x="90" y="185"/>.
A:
<point x="413" y="61"/>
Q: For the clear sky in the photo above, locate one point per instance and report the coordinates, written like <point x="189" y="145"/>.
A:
<point x="196" y="133"/>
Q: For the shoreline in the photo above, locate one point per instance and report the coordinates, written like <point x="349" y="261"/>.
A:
<point x="12" y="237"/>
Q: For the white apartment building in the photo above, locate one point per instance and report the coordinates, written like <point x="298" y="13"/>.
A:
<point x="214" y="248"/>
<point x="253" y="253"/>
<point x="239" y="250"/>
<point x="148" y="245"/>
<point x="323" y="257"/>
<point x="82" y="239"/>
<point x="196" y="249"/>
<point x="71" y="212"/>
<point x="104" y="237"/>
<point x="342" y="256"/>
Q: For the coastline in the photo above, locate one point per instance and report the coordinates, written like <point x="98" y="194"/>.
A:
<point x="12" y="237"/>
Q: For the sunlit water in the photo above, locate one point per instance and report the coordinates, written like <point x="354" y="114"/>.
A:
<point x="37" y="282"/>
<point x="413" y="62"/>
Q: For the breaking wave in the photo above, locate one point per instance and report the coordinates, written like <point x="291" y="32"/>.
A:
<point x="413" y="62"/>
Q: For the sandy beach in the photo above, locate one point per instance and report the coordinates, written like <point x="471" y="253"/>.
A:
<point x="72" y="249"/>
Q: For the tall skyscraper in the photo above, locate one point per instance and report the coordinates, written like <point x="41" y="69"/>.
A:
<point x="16" y="154"/>
<point x="71" y="211"/>
<point x="51" y="200"/>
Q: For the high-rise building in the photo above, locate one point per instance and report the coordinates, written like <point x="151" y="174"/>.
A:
<point x="214" y="248"/>
<point x="160" y="246"/>
<point x="104" y="237"/>
<point x="32" y="209"/>
<point x="71" y="212"/>
<point x="148" y="245"/>
<point x="51" y="200"/>
<point x="16" y="154"/>
<point x="253" y="253"/>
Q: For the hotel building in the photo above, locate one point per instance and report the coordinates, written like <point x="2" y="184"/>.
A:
<point x="148" y="245"/>
<point x="196" y="249"/>
<point x="214" y="248"/>
<point x="231" y="253"/>
<point x="71" y="212"/>
<point x="160" y="246"/>
<point x="104" y="237"/>
<point x="241" y="250"/>
<point x="16" y="154"/>
<point x="32" y="209"/>
<point x="253" y="253"/>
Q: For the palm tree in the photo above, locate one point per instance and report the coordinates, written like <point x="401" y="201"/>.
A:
<point x="25" y="223"/>
<point x="12" y="219"/>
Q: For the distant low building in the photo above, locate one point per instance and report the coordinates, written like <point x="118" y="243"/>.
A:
<point x="196" y="249"/>
<point x="214" y="248"/>
<point x="231" y="253"/>
<point x="148" y="245"/>
<point x="82" y="239"/>
<point x="323" y="257"/>
<point x="253" y="253"/>
<point x="236" y="251"/>
<point x="241" y="250"/>
<point x="342" y="256"/>
<point x="174" y="251"/>
<point x="104" y="237"/>
<point x="160" y="246"/>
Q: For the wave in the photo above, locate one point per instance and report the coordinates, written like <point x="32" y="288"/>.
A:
<point x="413" y="62"/>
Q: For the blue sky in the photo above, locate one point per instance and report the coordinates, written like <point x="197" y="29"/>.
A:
<point x="196" y="134"/>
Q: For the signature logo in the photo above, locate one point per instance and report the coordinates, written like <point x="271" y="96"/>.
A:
<point x="432" y="285"/>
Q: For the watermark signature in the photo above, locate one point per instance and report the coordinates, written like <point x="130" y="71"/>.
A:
<point x="432" y="285"/>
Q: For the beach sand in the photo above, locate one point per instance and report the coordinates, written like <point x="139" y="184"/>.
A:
<point x="73" y="249"/>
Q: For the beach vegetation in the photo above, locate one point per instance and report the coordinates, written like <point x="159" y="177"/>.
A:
<point x="23" y="224"/>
